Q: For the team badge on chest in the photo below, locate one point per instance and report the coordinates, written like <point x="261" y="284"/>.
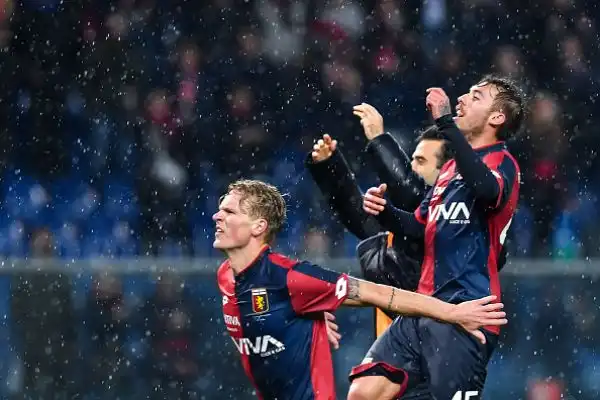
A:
<point x="260" y="301"/>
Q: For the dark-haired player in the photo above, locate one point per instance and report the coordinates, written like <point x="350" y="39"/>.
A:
<point x="274" y="307"/>
<point x="385" y="259"/>
<point x="463" y="221"/>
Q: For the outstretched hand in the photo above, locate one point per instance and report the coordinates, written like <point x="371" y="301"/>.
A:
<point x="324" y="148"/>
<point x="373" y="201"/>
<point x="472" y="315"/>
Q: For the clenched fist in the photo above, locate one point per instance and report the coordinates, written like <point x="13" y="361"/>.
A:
<point x="370" y="119"/>
<point x="373" y="201"/>
<point x="438" y="103"/>
<point x="324" y="148"/>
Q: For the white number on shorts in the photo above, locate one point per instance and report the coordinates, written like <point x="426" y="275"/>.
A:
<point x="504" y="232"/>
<point x="341" y="288"/>
<point x="468" y="395"/>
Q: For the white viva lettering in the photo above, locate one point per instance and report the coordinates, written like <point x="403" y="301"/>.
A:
<point x="457" y="213"/>
<point x="264" y="346"/>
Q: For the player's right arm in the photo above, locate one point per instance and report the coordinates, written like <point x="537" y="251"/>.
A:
<point x="399" y="222"/>
<point x="332" y="174"/>
<point x="471" y="315"/>
<point x="313" y="289"/>
<point x="406" y="189"/>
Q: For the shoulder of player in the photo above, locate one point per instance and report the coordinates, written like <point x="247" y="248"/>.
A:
<point x="502" y="157"/>
<point x="282" y="261"/>
<point x="512" y="158"/>
<point x="303" y="267"/>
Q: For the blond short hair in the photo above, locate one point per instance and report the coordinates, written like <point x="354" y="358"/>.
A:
<point x="261" y="200"/>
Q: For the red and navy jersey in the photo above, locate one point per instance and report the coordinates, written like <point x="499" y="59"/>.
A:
<point x="464" y="235"/>
<point x="273" y="311"/>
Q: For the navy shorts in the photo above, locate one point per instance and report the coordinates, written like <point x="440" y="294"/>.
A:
<point x="428" y="359"/>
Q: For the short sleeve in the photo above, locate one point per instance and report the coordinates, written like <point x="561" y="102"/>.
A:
<point x="315" y="289"/>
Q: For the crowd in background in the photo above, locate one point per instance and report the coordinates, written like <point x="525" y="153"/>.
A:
<point x="171" y="100"/>
<point x="122" y="122"/>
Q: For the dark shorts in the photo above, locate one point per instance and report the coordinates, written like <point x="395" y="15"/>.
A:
<point x="428" y="359"/>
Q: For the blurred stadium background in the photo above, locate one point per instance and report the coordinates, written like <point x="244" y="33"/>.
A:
<point x="122" y="121"/>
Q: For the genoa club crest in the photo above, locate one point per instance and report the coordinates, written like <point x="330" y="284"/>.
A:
<point x="260" y="301"/>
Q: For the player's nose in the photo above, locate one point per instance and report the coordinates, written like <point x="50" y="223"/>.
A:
<point x="413" y="165"/>
<point x="216" y="216"/>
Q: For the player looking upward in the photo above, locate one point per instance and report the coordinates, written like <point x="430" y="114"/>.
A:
<point x="463" y="221"/>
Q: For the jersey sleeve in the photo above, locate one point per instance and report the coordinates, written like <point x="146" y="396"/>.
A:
<point x="422" y="212"/>
<point x="316" y="289"/>
<point x="505" y="170"/>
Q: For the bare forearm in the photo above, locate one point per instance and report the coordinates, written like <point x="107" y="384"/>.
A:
<point x="397" y="300"/>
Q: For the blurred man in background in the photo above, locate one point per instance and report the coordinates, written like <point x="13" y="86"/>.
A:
<point x="107" y="321"/>
<point x="44" y="323"/>
<point x="169" y="318"/>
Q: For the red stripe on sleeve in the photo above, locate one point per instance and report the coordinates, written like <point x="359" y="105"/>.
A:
<point x="309" y="294"/>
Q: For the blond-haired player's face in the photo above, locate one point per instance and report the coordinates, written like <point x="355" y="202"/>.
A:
<point x="474" y="109"/>
<point x="233" y="227"/>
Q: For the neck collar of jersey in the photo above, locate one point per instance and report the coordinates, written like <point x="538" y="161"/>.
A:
<point x="262" y="251"/>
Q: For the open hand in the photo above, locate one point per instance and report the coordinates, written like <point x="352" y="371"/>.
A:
<point x="370" y="119"/>
<point x="324" y="148"/>
<point x="474" y="314"/>
<point x="373" y="201"/>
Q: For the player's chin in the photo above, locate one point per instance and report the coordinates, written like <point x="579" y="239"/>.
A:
<point x="220" y="244"/>
<point x="459" y="121"/>
<point x="225" y="243"/>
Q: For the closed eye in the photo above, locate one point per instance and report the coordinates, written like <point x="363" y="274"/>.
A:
<point x="419" y="160"/>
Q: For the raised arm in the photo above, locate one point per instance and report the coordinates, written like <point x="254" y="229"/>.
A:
<point x="405" y="188"/>
<point x="478" y="176"/>
<point x="475" y="173"/>
<point x="335" y="179"/>
<point x="471" y="315"/>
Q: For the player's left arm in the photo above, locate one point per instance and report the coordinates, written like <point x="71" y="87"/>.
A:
<point x="488" y="184"/>
<point x="471" y="315"/>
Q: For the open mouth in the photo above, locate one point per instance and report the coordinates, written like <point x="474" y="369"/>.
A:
<point x="218" y="230"/>
<point x="459" y="112"/>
